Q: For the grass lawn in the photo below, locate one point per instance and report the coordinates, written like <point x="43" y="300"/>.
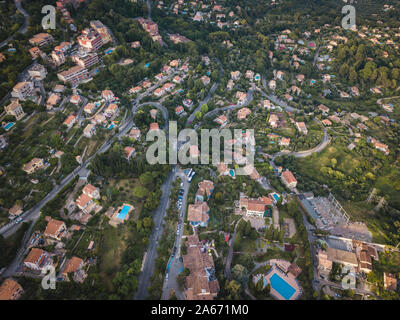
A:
<point x="30" y="125"/>
<point x="125" y="188"/>
<point x="245" y="245"/>
<point x="113" y="247"/>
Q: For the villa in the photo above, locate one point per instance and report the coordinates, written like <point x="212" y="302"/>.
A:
<point x="15" y="109"/>
<point x="10" y="290"/>
<point x="34" y="165"/>
<point x="288" y="179"/>
<point x="55" y="229"/>
<point x="198" y="214"/>
<point x="37" y="260"/>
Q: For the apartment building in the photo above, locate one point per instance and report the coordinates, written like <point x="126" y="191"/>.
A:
<point x="90" y="40"/>
<point x="22" y="90"/>
<point x="73" y="75"/>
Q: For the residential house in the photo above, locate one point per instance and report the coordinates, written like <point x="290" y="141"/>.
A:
<point x="159" y="92"/>
<point x="288" y="179"/>
<point x="41" y="39"/>
<point x="251" y="171"/>
<point x="222" y="120"/>
<point x="55" y="229"/>
<point x="198" y="214"/>
<point x="52" y="101"/>
<point x="301" y="126"/>
<point x="202" y="283"/>
<point x="389" y="282"/>
<point x="84" y="202"/>
<point x="243" y="113"/>
<point x="73" y="266"/>
<point x="10" y="290"/>
<point x="188" y="103"/>
<point x="206" y="187"/>
<point x="89" y="108"/>
<point x="37" y="260"/>
<point x="111" y="110"/>
<point x="37" y="72"/>
<point x="273" y="120"/>
<point x="254" y="207"/>
<point x="34" y="165"/>
<point x="89" y="131"/>
<point x="323" y="108"/>
<point x="129" y="152"/>
<point x="134" y="133"/>
<point x="91" y="191"/>
<point x="206" y="80"/>
<point x="154" y="126"/>
<point x="15" y="109"/>
<point x="108" y="95"/>
<point x="70" y="121"/>
<point x="15" y="211"/>
<point x="235" y="75"/>
<point x="179" y="110"/>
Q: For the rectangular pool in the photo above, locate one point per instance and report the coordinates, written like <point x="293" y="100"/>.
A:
<point x="124" y="211"/>
<point x="9" y="125"/>
<point x="282" y="287"/>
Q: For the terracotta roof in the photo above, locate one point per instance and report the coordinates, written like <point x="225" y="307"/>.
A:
<point x="72" y="265"/>
<point x="10" y="290"/>
<point x="154" y="126"/>
<point x="198" y="212"/>
<point x="53" y="227"/>
<point x="83" y="200"/>
<point x="89" y="189"/>
<point x="288" y="176"/>
<point x="34" y="256"/>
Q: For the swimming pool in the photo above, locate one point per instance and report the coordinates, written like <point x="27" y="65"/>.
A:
<point x="9" y="125"/>
<point x="282" y="287"/>
<point x="124" y="211"/>
<point x="276" y="197"/>
<point x="232" y="172"/>
<point x="108" y="51"/>
<point x="111" y="126"/>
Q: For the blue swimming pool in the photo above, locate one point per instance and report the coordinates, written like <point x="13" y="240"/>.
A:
<point x="111" y="126"/>
<point x="276" y="197"/>
<point x="282" y="287"/>
<point x="124" y="211"/>
<point x="232" y="172"/>
<point x="108" y="51"/>
<point x="9" y="125"/>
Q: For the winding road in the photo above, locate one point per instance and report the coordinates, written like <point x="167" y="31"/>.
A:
<point x="24" y="27"/>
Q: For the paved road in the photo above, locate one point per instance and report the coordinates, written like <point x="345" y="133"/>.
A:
<point x="24" y="27"/>
<point x="209" y="95"/>
<point x="158" y="218"/>
<point x="176" y="265"/>
<point x="227" y="270"/>
<point x="302" y="154"/>
<point x="279" y="102"/>
<point x="249" y="98"/>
